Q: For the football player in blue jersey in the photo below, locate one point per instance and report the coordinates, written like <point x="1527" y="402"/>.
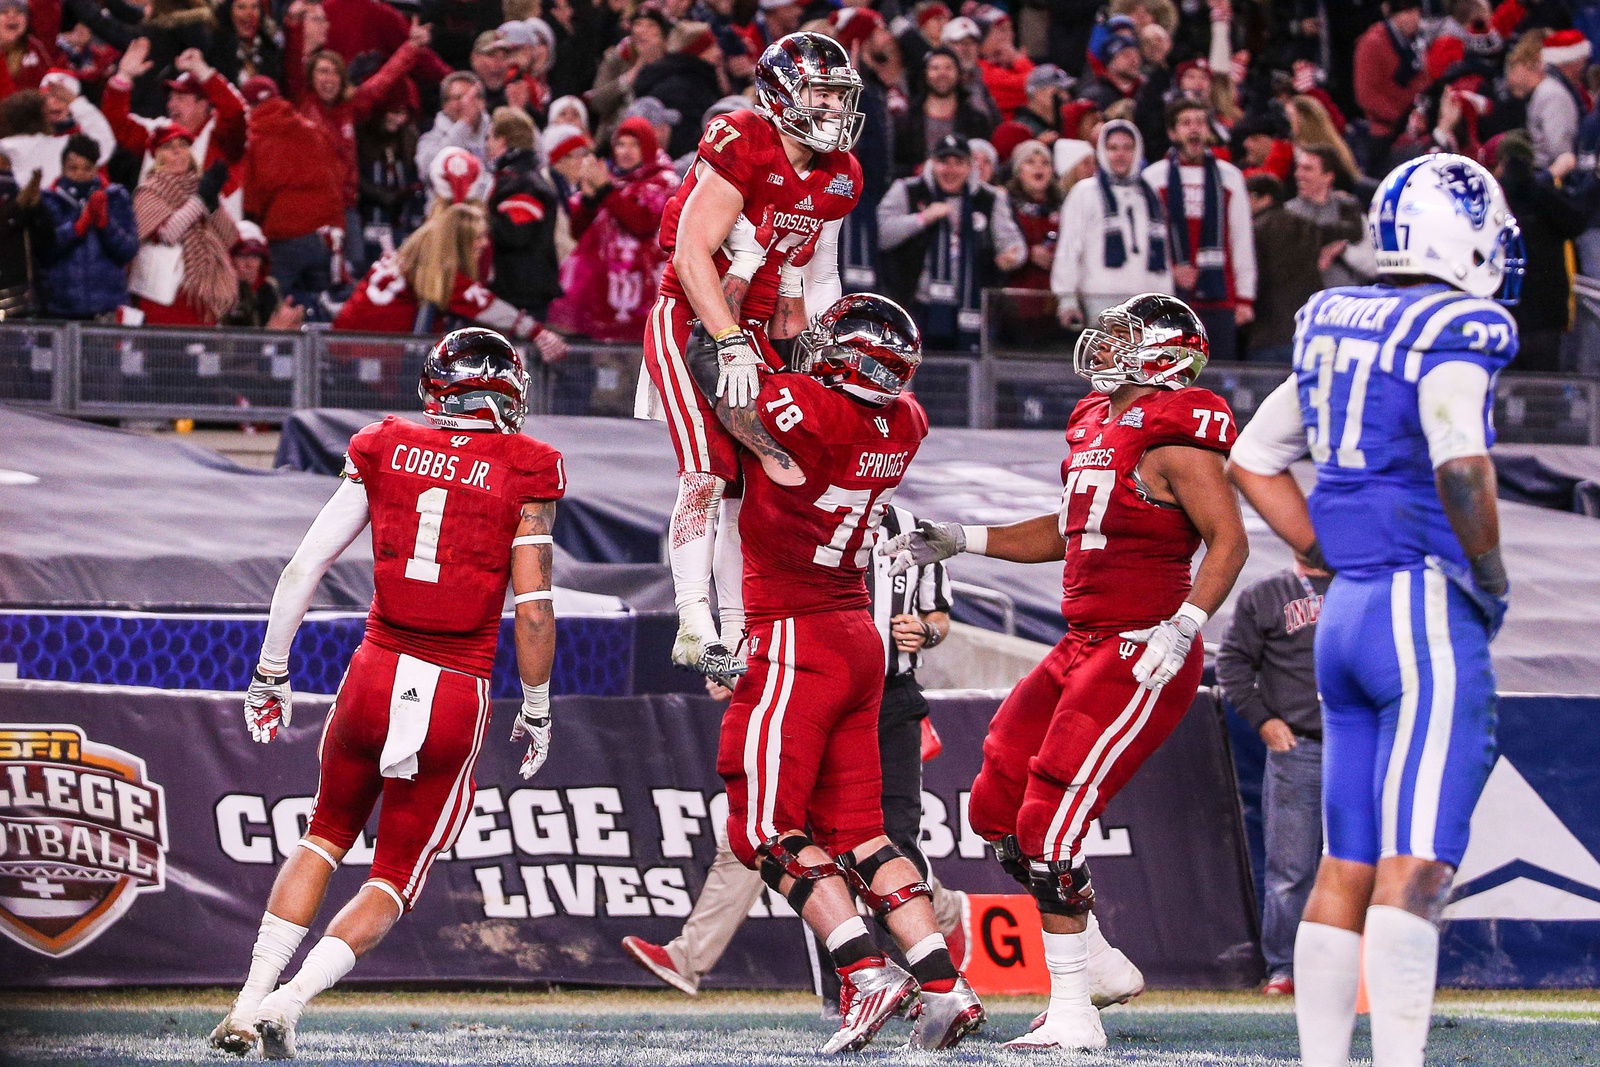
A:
<point x="1391" y="394"/>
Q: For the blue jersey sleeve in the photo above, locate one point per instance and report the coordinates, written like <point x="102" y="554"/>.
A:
<point x="1469" y="330"/>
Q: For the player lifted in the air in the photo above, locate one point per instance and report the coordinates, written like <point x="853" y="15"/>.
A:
<point x="758" y="216"/>
<point x="1144" y="484"/>
<point x="826" y="450"/>
<point x="457" y="507"/>
<point x="1392" y="392"/>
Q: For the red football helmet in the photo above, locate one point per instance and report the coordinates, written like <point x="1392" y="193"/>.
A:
<point x="801" y="61"/>
<point x="473" y="379"/>
<point x="1149" y="339"/>
<point x="865" y="346"/>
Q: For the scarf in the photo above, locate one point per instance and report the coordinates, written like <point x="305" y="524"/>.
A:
<point x="1116" y="251"/>
<point x="950" y="288"/>
<point x="209" y="281"/>
<point x="1210" y="257"/>
<point x="1406" y="53"/>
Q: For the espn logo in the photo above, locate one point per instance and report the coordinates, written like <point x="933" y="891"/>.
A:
<point x="54" y="745"/>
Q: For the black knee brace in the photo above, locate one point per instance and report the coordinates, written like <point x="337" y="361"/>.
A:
<point x="781" y="857"/>
<point x="1061" y="888"/>
<point x="860" y="873"/>
<point x="1009" y="853"/>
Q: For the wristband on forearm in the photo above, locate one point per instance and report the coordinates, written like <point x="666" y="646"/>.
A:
<point x="931" y="634"/>
<point x="977" y="539"/>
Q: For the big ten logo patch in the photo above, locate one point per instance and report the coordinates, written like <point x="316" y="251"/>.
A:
<point x="1006" y="953"/>
<point x="82" y="833"/>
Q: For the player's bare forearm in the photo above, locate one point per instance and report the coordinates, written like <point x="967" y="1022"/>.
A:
<point x="939" y="620"/>
<point x="1467" y="489"/>
<point x="1280" y="503"/>
<point x="733" y="293"/>
<point x="531" y="572"/>
<point x="707" y="219"/>
<point x="1199" y="482"/>
<point x="1035" y="540"/>
<point x="788" y="318"/>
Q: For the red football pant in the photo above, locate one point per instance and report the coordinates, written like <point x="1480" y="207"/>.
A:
<point x="421" y="816"/>
<point x="1068" y="737"/>
<point x="703" y="445"/>
<point x="799" y="744"/>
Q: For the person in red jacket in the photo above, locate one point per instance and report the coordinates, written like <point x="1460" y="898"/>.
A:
<point x="1005" y="69"/>
<point x="325" y="96"/>
<point x="292" y="181"/>
<point x="201" y="100"/>
<point x="1388" y="71"/>
<point x="24" y="58"/>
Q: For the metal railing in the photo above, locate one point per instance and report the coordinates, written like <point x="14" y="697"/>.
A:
<point x="1021" y="377"/>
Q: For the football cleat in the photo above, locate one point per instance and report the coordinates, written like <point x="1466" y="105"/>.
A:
<point x="941" y="1020"/>
<point x="230" y="1036"/>
<point x="709" y="657"/>
<point x="870" y="993"/>
<point x="1113" y="979"/>
<point x="277" y="1033"/>
<point x="1076" y="1030"/>
<point x="658" y="962"/>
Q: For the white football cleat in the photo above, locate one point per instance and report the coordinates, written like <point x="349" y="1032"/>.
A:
<point x="231" y="1036"/>
<point x="941" y="1020"/>
<point x="1113" y="979"/>
<point x="870" y="993"/>
<point x="1076" y="1030"/>
<point x="276" y="1028"/>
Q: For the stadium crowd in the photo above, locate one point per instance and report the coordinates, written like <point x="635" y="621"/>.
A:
<point x="402" y="166"/>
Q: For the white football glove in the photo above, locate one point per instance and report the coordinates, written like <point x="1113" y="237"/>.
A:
<point x="268" y="705"/>
<point x="1166" y="646"/>
<point x="929" y="543"/>
<point x="533" y="723"/>
<point x="738" y="370"/>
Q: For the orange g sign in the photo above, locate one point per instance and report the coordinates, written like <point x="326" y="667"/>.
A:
<point x="1007" y="946"/>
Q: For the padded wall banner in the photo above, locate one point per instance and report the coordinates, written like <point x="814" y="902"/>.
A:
<point x="140" y="831"/>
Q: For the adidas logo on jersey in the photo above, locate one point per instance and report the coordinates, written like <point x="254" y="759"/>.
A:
<point x="882" y="424"/>
<point x="411" y="695"/>
<point x="1097" y="439"/>
<point x="1132" y="417"/>
<point x="805" y="205"/>
<point x="460" y="439"/>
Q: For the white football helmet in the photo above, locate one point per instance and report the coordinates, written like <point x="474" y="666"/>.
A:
<point x="1444" y="216"/>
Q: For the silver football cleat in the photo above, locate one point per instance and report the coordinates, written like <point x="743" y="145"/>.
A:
<point x="943" y="1019"/>
<point x="1075" y="1030"/>
<point x="869" y="996"/>
<point x="707" y="656"/>
<point x="231" y="1036"/>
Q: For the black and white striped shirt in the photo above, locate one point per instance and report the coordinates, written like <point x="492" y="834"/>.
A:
<point x="916" y="592"/>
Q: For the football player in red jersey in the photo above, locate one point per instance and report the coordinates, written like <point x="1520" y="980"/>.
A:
<point x="457" y="508"/>
<point x="826" y="450"/>
<point x="1143" y="486"/>
<point x="757" y="217"/>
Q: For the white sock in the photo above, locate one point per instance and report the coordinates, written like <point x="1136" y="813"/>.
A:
<point x="276" y="943"/>
<point x="1327" y="975"/>
<point x="846" y="932"/>
<point x="328" y="961"/>
<point x="691" y="541"/>
<point x="1066" y="956"/>
<point x="727" y="565"/>
<point x="1401" y="965"/>
<point x="925" y="948"/>
<point x="1097" y="940"/>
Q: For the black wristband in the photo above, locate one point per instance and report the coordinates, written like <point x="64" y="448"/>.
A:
<point x="931" y="635"/>
<point x="268" y="679"/>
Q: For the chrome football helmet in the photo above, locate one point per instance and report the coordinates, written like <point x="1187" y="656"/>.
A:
<point x="1444" y="216"/>
<point x="1149" y="339"/>
<point x="793" y="65"/>
<point x="864" y="346"/>
<point x="473" y="379"/>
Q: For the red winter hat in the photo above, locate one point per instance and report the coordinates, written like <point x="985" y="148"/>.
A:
<point x="168" y="133"/>
<point x="561" y="141"/>
<point x="928" y="12"/>
<point x="187" y="83"/>
<point x="258" y="90"/>
<point x="853" y="25"/>
<point x="1564" y="46"/>
<point x="1008" y="135"/>
<point x="639" y="127"/>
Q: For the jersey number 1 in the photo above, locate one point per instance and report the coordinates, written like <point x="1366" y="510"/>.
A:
<point x="423" y="565"/>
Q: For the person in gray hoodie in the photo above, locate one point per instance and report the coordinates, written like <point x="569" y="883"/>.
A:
<point x="1113" y="232"/>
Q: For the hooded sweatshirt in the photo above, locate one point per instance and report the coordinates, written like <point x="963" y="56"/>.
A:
<point x="1080" y="266"/>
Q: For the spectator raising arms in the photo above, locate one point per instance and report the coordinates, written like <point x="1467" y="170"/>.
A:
<point x="200" y="102"/>
<point x="171" y="30"/>
<point x="39" y="122"/>
<point x="85" y="274"/>
<point x="24" y="59"/>
<point x="1113" y="242"/>
<point x="611" y="277"/>
<point x="433" y="279"/>
<point x="177" y="207"/>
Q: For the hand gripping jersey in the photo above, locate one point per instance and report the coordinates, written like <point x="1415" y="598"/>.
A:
<point x="1128" y="558"/>
<point x="445" y="505"/>
<point x="807" y="547"/>
<point x="745" y="149"/>
<point x="384" y="302"/>
<point x="1358" y="356"/>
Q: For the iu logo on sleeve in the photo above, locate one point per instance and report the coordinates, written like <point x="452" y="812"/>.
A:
<point x="83" y="832"/>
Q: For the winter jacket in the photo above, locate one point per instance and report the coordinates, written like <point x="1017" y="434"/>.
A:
<point x="523" y="213"/>
<point x="223" y="137"/>
<point x="688" y="85"/>
<point x="227" y="57"/>
<point x="911" y="137"/>
<point x="610" y="280"/>
<point x="1007" y="84"/>
<point x="41" y="152"/>
<point x="449" y="133"/>
<point x="179" y="26"/>
<point x="1080" y="267"/>
<point x="85" y="273"/>
<point x="1554" y="111"/>
<point x="24" y="238"/>
<point x="292" y="178"/>
<point x="1382" y="97"/>
<point x="1287" y="247"/>
<point x="1549" y="219"/>
<point x="37" y="59"/>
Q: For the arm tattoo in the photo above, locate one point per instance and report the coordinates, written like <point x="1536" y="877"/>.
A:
<point x="538" y="517"/>
<point x="788" y="318"/>
<point x="746" y="427"/>
<point x="734" y="290"/>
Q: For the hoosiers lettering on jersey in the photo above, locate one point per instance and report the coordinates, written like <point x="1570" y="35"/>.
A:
<point x="745" y="149"/>
<point x="444" y="508"/>
<point x="1118" y="538"/>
